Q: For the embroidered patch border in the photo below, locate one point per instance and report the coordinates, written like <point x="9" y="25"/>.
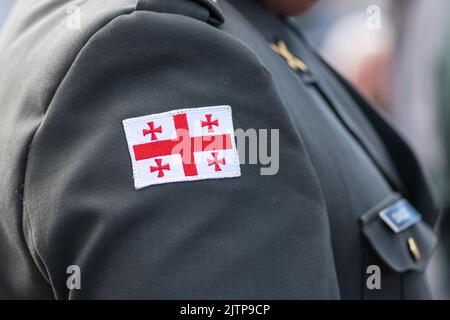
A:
<point x="164" y="141"/>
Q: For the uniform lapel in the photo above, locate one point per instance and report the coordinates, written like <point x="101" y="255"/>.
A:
<point x="416" y="182"/>
<point x="388" y="150"/>
<point x="361" y="129"/>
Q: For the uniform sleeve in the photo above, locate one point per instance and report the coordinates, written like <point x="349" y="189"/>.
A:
<point x="228" y="238"/>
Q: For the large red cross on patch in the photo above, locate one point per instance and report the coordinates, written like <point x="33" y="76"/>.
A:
<point x="184" y="144"/>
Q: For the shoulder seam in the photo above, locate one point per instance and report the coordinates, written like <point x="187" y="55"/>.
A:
<point x="79" y="52"/>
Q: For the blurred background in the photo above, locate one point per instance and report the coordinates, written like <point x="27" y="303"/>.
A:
<point x="397" y="53"/>
<point x="5" y="6"/>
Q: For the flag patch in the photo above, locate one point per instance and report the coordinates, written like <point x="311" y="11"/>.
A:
<point x="182" y="145"/>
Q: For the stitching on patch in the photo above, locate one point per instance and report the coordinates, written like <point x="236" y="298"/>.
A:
<point x="181" y="111"/>
<point x="215" y="175"/>
<point x="133" y="156"/>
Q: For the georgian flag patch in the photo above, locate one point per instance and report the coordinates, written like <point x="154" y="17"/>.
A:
<point x="182" y="145"/>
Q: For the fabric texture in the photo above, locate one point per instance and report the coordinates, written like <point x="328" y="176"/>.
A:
<point x="67" y="190"/>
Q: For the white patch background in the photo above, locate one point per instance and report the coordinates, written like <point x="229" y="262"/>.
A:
<point x="141" y="169"/>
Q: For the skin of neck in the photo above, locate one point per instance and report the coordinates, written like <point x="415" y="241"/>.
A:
<point x="288" y="7"/>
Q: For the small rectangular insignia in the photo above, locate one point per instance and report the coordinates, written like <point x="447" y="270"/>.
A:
<point x="400" y="216"/>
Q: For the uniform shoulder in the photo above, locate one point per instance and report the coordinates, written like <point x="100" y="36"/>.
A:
<point x="40" y="41"/>
<point x="203" y="10"/>
<point x="49" y="35"/>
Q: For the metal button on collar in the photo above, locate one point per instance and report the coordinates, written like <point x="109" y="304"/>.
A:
<point x="414" y="249"/>
<point x="294" y="63"/>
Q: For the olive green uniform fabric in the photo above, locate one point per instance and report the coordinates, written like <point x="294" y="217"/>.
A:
<point x="67" y="195"/>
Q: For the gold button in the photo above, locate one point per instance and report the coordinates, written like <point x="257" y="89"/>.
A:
<point x="414" y="249"/>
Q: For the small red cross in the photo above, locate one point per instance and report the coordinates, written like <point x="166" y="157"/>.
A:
<point x="208" y="123"/>
<point x="160" y="168"/>
<point x="216" y="161"/>
<point x="153" y="131"/>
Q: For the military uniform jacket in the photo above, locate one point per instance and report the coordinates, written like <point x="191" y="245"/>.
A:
<point x="66" y="191"/>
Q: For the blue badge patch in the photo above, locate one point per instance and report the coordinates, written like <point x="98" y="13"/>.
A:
<point x="400" y="216"/>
